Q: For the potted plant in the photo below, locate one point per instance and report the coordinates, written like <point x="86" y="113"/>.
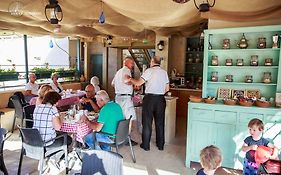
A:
<point x="65" y="72"/>
<point x="42" y="72"/>
<point x="8" y="75"/>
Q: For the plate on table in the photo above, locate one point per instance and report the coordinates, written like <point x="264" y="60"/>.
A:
<point x="92" y="115"/>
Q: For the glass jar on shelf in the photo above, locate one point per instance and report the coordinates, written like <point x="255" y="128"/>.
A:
<point x="229" y="78"/>
<point x="254" y="60"/>
<point x="214" y="61"/>
<point x="248" y="79"/>
<point x="226" y="44"/>
<point x="214" y="76"/>
<point x="239" y="62"/>
<point x="261" y="43"/>
<point x="197" y="58"/>
<point x="228" y="62"/>
<point x="268" y="62"/>
<point x="266" y="77"/>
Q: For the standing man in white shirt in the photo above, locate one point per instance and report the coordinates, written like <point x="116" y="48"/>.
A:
<point x="157" y="84"/>
<point x="124" y="90"/>
<point x="31" y="88"/>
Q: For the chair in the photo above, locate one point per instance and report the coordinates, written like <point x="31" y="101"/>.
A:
<point x="18" y="109"/>
<point x="28" y="115"/>
<point x="21" y="98"/>
<point x="2" y="140"/>
<point x="270" y="167"/>
<point x="102" y="162"/>
<point x="121" y="137"/>
<point x="34" y="147"/>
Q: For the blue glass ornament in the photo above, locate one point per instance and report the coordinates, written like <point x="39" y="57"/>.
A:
<point x="102" y="18"/>
<point x="51" y="45"/>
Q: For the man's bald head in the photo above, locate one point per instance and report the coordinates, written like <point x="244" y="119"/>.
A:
<point x="129" y="62"/>
<point x="90" y="91"/>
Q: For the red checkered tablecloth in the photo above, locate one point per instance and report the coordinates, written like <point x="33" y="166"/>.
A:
<point x="80" y="129"/>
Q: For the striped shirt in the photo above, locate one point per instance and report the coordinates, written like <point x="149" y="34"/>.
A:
<point x="43" y="120"/>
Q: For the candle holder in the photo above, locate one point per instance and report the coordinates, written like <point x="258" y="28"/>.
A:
<point x="254" y="60"/>
<point x="228" y="62"/>
<point x="275" y="39"/>
<point x="214" y="61"/>
<point x="268" y="62"/>
<point x="214" y="76"/>
<point x="226" y="44"/>
<point x="239" y="62"/>
<point x="261" y="43"/>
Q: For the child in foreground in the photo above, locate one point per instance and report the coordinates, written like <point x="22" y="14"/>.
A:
<point x="210" y="160"/>
<point x="251" y="143"/>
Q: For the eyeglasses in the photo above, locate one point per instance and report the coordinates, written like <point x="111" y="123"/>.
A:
<point x="88" y="91"/>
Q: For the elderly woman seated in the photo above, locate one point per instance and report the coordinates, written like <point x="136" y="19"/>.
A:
<point x="56" y="86"/>
<point x="95" y="82"/>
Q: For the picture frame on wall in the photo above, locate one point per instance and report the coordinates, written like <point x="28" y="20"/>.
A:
<point x="238" y="93"/>
<point x="251" y="93"/>
<point x="224" y="93"/>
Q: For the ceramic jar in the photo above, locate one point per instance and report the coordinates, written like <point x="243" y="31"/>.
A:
<point x="214" y="76"/>
<point x="248" y="79"/>
<point x="214" y="61"/>
<point x="228" y="62"/>
<point x="261" y="43"/>
<point x="197" y="58"/>
<point x="268" y="62"/>
<point x="266" y="77"/>
<point x="239" y="62"/>
<point x="226" y="44"/>
<point x="254" y="60"/>
<point x="229" y="78"/>
<point x="189" y="58"/>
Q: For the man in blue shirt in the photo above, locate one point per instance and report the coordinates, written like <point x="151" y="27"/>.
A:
<point x="88" y="101"/>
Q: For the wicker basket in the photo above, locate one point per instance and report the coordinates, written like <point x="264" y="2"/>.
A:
<point x="229" y="101"/>
<point x="210" y="101"/>
<point x="195" y="99"/>
<point x="263" y="104"/>
<point x="246" y="103"/>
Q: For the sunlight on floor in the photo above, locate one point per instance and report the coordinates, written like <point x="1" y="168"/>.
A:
<point x="163" y="172"/>
<point x="135" y="171"/>
<point x="12" y="145"/>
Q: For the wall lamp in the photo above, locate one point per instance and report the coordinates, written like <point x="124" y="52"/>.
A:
<point x="160" y="45"/>
<point x="204" y="6"/>
<point x="109" y="39"/>
<point x="53" y="12"/>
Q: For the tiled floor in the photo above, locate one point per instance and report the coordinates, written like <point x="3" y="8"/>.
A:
<point x="154" y="162"/>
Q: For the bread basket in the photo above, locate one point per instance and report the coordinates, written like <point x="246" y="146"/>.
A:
<point x="195" y="99"/>
<point x="246" y="103"/>
<point x="229" y="101"/>
<point x="263" y="104"/>
<point x="210" y="101"/>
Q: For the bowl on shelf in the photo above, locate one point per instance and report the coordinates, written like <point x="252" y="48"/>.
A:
<point x="195" y="99"/>
<point x="229" y="101"/>
<point x="263" y="104"/>
<point x="246" y="103"/>
<point x="210" y="100"/>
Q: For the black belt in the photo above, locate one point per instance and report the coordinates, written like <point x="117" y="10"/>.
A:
<point x="155" y="94"/>
<point x="124" y="94"/>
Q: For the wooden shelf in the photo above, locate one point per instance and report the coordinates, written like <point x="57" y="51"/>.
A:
<point x="242" y="83"/>
<point x="245" y="67"/>
<point x="239" y="50"/>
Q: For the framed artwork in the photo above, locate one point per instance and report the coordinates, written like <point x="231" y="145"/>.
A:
<point x="253" y="93"/>
<point x="238" y="93"/>
<point x="224" y="93"/>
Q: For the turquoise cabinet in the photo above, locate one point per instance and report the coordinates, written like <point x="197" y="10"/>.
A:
<point x="213" y="47"/>
<point x="226" y="127"/>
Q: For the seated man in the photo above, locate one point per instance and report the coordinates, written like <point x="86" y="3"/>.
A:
<point x="88" y="101"/>
<point x="109" y="116"/>
<point x="31" y="88"/>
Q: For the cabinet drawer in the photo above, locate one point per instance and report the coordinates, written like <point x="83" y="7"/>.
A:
<point x="225" y="117"/>
<point x="246" y="117"/>
<point x="202" y="114"/>
<point x="276" y="118"/>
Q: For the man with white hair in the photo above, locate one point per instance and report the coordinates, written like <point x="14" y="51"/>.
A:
<point x="31" y="88"/>
<point x="124" y="90"/>
<point x="109" y="116"/>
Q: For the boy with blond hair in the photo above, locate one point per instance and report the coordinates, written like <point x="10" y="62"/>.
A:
<point x="251" y="143"/>
<point x="210" y="160"/>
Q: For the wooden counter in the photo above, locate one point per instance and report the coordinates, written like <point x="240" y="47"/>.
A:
<point x="181" y="116"/>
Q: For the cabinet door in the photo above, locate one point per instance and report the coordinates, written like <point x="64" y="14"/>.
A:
<point x="200" y="135"/>
<point x="272" y="129"/>
<point x="224" y="139"/>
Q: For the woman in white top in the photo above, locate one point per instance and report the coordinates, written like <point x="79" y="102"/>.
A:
<point x="56" y="86"/>
<point x="95" y="82"/>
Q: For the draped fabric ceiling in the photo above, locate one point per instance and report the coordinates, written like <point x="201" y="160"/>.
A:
<point x="132" y="18"/>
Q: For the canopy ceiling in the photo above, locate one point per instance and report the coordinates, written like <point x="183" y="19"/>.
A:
<point x="132" y="18"/>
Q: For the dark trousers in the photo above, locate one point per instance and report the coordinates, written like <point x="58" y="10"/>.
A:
<point x="153" y="107"/>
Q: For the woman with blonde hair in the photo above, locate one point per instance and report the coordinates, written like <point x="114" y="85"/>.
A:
<point x="95" y="82"/>
<point x="41" y="93"/>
